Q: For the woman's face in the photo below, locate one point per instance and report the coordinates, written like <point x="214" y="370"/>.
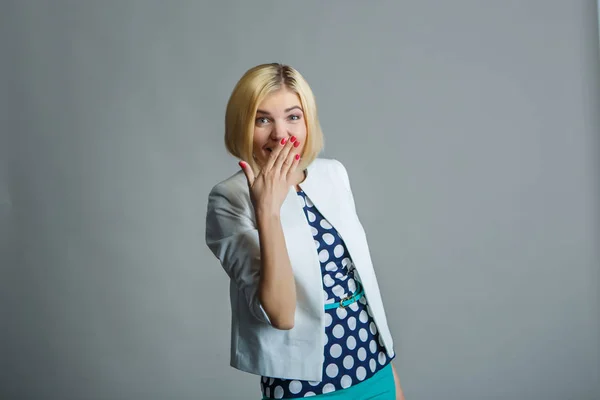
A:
<point x="278" y="116"/>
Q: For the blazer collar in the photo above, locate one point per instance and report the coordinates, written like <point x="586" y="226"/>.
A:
<point x="320" y="190"/>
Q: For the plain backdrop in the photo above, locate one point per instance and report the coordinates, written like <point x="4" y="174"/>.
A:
<point x="470" y="130"/>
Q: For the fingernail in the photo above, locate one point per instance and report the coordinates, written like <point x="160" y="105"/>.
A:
<point x="297" y="144"/>
<point x="293" y="139"/>
<point x="297" y="156"/>
<point x="283" y="141"/>
<point x="242" y="164"/>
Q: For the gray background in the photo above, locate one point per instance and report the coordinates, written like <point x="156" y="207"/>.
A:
<point x="470" y="132"/>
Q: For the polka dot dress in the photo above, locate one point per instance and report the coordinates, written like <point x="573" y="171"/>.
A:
<point x="353" y="350"/>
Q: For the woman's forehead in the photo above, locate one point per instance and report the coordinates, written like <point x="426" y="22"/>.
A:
<point x="279" y="100"/>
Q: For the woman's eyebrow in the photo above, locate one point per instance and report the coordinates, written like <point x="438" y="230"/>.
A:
<point x="286" y="110"/>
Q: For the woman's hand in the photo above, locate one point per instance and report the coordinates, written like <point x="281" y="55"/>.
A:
<point x="399" y="394"/>
<point x="268" y="190"/>
<point x="270" y="187"/>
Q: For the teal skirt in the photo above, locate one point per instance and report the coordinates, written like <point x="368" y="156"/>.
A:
<point x="380" y="386"/>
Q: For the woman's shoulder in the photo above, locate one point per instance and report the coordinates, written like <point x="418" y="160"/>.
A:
<point x="331" y="165"/>
<point x="235" y="187"/>
<point x="232" y="182"/>
<point x="326" y="162"/>
<point x="231" y="190"/>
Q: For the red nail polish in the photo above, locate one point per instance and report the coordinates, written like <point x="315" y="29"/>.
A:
<point x="296" y="144"/>
<point x="293" y="139"/>
<point x="242" y="164"/>
<point x="297" y="156"/>
<point x="283" y="141"/>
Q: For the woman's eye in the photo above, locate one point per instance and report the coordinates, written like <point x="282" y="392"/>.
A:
<point x="294" y="117"/>
<point x="262" y="120"/>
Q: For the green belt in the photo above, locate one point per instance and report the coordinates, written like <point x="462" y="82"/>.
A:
<point x="346" y="301"/>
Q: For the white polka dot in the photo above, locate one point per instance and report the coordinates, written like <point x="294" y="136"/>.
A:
<point x="348" y="362"/>
<point x="346" y="261"/>
<point x="332" y="370"/>
<point x="264" y="379"/>
<point x="380" y="341"/>
<point x="295" y="386"/>
<point x="353" y="306"/>
<point x="341" y="312"/>
<point x="325" y="225"/>
<point x="268" y="392"/>
<point x="278" y="392"/>
<point x="363" y="300"/>
<point x="381" y="358"/>
<point x="314" y="231"/>
<point x="271" y="380"/>
<point x="302" y="201"/>
<point x="335" y="350"/>
<point x="351" y="343"/>
<point x="317" y="244"/>
<point x="338" y="331"/>
<point x="364" y="317"/>
<point x="339" y="291"/>
<point x="325" y="295"/>
<point x="338" y="251"/>
<point x="361" y="373"/>
<point x="331" y="266"/>
<point x="352" y="323"/>
<point x="328" y="280"/>
<point x="372" y="364"/>
<point x="314" y="383"/>
<point x="362" y="354"/>
<point x="328" y="319"/>
<point x="373" y="328"/>
<point x="310" y="394"/>
<point x="323" y="255"/>
<point x="351" y="285"/>
<point x="328" y="388"/>
<point x="309" y="203"/>
<point x="369" y="312"/>
<point x="328" y="238"/>
<point x="363" y="335"/>
<point x="311" y="216"/>
<point x="346" y="381"/>
<point x="373" y="346"/>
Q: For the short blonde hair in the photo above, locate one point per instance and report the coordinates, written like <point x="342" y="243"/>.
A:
<point x="249" y="92"/>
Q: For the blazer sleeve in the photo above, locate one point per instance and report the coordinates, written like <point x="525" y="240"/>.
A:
<point x="233" y="238"/>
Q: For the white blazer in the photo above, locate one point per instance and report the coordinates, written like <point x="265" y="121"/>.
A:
<point x="231" y="233"/>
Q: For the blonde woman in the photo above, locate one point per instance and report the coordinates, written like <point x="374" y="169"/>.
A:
<point x="307" y="315"/>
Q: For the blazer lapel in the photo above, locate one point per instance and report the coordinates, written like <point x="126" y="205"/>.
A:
<point x="322" y="192"/>
<point x="303" y="255"/>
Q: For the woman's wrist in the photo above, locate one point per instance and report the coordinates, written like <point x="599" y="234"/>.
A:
<point x="267" y="214"/>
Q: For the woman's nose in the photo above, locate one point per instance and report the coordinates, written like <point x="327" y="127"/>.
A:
<point x="279" y="131"/>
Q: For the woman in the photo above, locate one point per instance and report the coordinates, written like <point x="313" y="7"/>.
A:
<point x="306" y="310"/>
